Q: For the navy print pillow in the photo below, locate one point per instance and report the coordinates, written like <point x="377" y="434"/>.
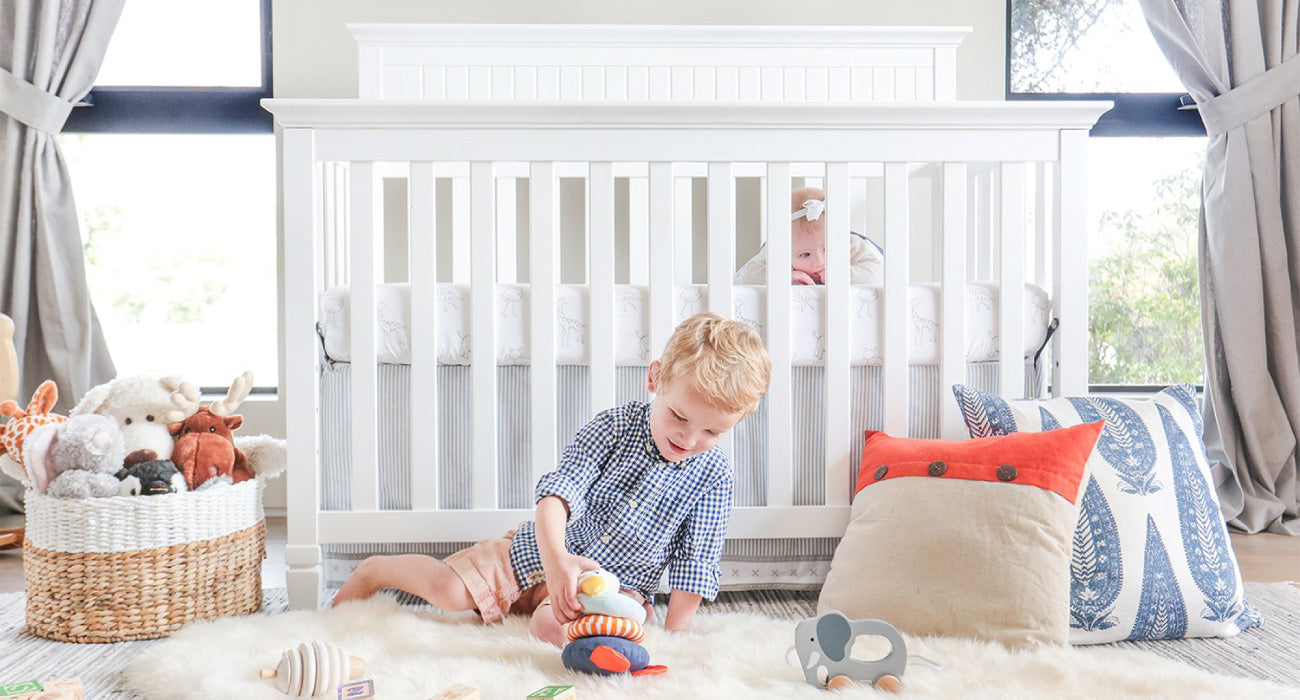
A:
<point x="1151" y="557"/>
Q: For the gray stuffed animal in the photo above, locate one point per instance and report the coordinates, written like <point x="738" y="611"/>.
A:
<point x="83" y="457"/>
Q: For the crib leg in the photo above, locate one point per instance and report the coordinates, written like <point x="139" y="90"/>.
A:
<point x="303" y="577"/>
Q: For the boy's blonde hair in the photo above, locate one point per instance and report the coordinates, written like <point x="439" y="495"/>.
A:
<point x="724" y="359"/>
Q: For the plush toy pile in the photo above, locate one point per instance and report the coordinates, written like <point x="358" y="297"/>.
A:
<point x="606" y="639"/>
<point x="135" y="435"/>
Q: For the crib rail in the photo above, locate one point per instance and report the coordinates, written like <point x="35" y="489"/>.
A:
<point x="1002" y="178"/>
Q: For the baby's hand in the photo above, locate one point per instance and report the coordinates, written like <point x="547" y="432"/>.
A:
<point x="798" y="277"/>
<point x="562" y="584"/>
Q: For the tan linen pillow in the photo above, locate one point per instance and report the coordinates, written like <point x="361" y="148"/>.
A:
<point x="965" y="538"/>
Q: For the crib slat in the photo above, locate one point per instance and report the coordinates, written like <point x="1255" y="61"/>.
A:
<point x="838" y="327"/>
<point x="894" y="336"/>
<point x="483" y="370"/>
<point x="424" y="340"/>
<point x="364" y="195"/>
<point x="721" y="189"/>
<point x="721" y="237"/>
<point x="662" y="286"/>
<point x="543" y="275"/>
<point x="301" y="182"/>
<point x="780" y="440"/>
<point x="952" y="351"/>
<point x="1070" y="285"/>
<point x="1041" y="230"/>
<point x="600" y="326"/>
<point x="1011" y="351"/>
<point x="638" y="230"/>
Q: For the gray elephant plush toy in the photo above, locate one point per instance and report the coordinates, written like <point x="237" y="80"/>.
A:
<point x="825" y="648"/>
<point x="80" y="456"/>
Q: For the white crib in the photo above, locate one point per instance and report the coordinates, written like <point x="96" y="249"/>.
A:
<point x="657" y="126"/>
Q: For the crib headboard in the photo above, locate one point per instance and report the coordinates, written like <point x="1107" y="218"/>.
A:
<point x="631" y="63"/>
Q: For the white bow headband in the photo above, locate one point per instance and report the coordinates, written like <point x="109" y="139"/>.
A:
<point x="812" y="210"/>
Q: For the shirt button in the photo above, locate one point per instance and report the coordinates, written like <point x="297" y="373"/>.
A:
<point x="605" y="539"/>
<point x="631" y="503"/>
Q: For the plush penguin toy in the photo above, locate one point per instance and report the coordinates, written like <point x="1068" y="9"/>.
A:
<point x="151" y="478"/>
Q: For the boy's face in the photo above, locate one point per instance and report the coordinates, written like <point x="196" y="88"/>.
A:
<point x="808" y="249"/>
<point x="682" y="421"/>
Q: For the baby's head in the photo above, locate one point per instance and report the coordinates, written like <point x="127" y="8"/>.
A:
<point x="713" y="372"/>
<point x="808" y="232"/>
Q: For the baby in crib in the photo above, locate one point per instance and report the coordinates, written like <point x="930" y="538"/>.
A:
<point x="640" y="489"/>
<point x="808" y="247"/>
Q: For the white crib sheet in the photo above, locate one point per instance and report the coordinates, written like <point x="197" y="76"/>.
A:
<point x="631" y="309"/>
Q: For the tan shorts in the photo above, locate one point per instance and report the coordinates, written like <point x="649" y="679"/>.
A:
<point x="489" y="577"/>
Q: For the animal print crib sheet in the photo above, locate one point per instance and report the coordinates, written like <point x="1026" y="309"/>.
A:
<point x="454" y="311"/>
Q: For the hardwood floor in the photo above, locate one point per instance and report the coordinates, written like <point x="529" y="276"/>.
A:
<point x="1263" y="557"/>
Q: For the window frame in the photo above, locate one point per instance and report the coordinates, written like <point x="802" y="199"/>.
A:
<point x="1135" y="114"/>
<point x="181" y="110"/>
<point x="185" y="110"/>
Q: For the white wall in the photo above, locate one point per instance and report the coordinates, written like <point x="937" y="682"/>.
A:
<point x="315" y="56"/>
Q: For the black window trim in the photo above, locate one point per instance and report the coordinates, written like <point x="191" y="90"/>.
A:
<point x="180" y="110"/>
<point x="1134" y="114"/>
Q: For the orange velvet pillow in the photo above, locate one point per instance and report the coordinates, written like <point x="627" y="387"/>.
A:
<point x="964" y="538"/>
<point x="1053" y="460"/>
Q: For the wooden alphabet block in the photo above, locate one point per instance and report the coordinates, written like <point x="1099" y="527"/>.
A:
<point x="357" y="690"/>
<point x="555" y="692"/>
<point x="63" y="689"/>
<point x="460" y="691"/>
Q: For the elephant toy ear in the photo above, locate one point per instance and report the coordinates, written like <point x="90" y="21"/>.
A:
<point x="834" y="635"/>
<point x="36" y="455"/>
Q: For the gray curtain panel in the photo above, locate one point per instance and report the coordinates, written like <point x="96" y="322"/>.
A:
<point x="1238" y="59"/>
<point x="50" y="52"/>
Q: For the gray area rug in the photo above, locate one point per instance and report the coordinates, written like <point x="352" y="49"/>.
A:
<point x="1266" y="653"/>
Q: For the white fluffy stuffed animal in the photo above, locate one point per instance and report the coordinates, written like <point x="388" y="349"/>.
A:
<point x="143" y="405"/>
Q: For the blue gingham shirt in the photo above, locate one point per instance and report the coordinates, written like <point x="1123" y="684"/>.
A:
<point x="633" y="511"/>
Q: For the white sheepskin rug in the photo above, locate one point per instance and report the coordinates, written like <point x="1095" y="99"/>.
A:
<point x="412" y="655"/>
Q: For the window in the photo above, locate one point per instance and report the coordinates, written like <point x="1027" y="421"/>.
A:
<point x="173" y="169"/>
<point x="1144" y="166"/>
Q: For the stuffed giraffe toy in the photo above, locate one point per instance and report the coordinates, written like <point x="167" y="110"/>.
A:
<point x="22" y="424"/>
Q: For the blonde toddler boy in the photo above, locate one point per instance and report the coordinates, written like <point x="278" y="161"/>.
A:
<point x="641" y="488"/>
<point x="808" y="247"/>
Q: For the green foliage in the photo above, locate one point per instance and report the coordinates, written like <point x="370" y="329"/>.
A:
<point x="1144" y="301"/>
<point x="1043" y="32"/>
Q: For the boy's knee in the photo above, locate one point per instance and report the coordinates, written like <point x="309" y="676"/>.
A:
<point x="545" y="627"/>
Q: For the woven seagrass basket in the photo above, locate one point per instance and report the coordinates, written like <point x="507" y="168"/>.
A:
<point x="139" y="567"/>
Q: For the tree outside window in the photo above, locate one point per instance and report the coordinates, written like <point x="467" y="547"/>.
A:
<point x="1144" y="171"/>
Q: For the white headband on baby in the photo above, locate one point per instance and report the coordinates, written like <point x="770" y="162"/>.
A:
<point x="812" y="210"/>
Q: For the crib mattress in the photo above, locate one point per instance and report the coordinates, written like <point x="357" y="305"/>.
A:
<point x="631" y="309"/>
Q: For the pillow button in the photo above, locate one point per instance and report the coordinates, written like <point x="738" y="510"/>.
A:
<point x="881" y="471"/>
<point x="1006" y="472"/>
<point x="937" y="468"/>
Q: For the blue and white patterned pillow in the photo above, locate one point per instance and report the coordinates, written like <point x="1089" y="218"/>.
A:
<point x="1151" y="557"/>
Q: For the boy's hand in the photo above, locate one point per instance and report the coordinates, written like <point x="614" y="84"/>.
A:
<point x="562" y="570"/>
